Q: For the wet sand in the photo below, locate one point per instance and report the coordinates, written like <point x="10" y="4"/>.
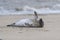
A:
<point x="51" y="30"/>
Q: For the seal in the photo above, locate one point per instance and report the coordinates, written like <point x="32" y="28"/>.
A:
<point x="29" y="22"/>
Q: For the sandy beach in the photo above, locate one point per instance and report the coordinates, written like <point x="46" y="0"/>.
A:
<point x="51" y="30"/>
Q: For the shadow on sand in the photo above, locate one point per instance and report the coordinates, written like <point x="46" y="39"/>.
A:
<point x="24" y="26"/>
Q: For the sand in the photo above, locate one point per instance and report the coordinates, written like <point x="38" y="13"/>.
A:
<point x="51" y="30"/>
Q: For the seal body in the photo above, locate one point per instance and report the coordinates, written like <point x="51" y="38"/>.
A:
<point x="27" y="22"/>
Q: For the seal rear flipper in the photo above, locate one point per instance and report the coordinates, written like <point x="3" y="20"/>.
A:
<point x="11" y="24"/>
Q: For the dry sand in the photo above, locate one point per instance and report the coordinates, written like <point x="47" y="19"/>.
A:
<point x="51" y="30"/>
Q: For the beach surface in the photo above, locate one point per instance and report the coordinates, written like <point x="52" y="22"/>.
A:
<point x="50" y="31"/>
